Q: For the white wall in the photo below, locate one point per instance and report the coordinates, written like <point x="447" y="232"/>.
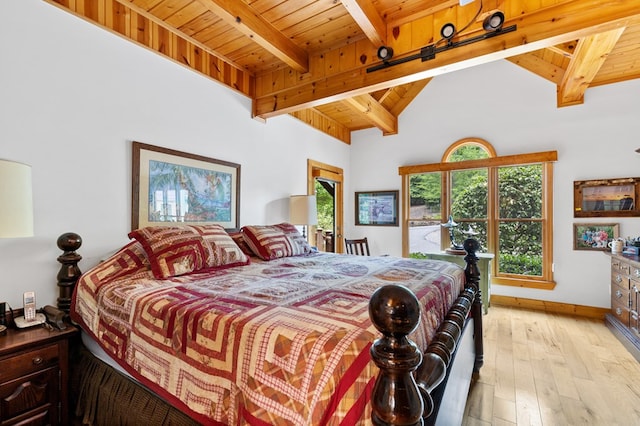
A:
<point x="73" y="97"/>
<point x="516" y="112"/>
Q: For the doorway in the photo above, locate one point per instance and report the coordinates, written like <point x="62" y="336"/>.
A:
<point x="327" y="183"/>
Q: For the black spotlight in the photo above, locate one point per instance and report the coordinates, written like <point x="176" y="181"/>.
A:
<point x="447" y="31"/>
<point x="493" y="22"/>
<point x="385" y="53"/>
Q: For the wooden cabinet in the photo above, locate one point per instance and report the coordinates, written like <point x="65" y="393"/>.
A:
<point x="34" y="365"/>
<point x="484" y="266"/>
<point x="625" y="301"/>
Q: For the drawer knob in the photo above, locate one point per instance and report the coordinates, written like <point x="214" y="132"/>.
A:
<point x="618" y="279"/>
<point x="37" y="360"/>
<point x="618" y="294"/>
<point x="618" y="311"/>
<point x="637" y="272"/>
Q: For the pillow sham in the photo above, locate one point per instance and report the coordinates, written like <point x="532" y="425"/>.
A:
<point x="224" y="249"/>
<point x="275" y="241"/>
<point x="238" y="238"/>
<point x="179" y="250"/>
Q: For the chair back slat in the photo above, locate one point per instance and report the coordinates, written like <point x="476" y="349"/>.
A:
<point x="359" y="246"/>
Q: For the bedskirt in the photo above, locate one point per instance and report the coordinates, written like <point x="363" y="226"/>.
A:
<point x="102" y="396"/>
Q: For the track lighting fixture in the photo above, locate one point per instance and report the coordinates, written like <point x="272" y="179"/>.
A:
<point x="492" y="24"/>
<point x="385" y="53"/>
<point x="448" y="31"/>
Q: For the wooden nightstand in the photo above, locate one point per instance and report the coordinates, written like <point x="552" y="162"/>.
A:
<point x="34" y="370"/>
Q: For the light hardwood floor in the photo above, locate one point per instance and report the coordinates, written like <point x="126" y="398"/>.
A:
<point x="548" y="369"/>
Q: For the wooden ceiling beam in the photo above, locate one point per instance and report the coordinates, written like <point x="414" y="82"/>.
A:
<point x="539" y="66"/>
<point x="368" y="19"/>
<point x="590" y="54"/>
<point x="537" y="29"/>
<point x="565" y="49"/>
<point x="323" y="123"/>
<point x="407" y="93"/>
<point x="242" y="17"/>
<point x="374" y="112"/>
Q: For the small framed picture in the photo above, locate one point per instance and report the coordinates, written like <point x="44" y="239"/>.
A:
<point x="594" y="236"/>
<point x="606" y="197"/>
<point x="377" y="208"/>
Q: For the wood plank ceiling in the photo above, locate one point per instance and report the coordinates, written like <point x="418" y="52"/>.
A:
<point x="309" y="58"/>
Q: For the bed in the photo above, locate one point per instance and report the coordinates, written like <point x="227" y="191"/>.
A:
<point x="191" y="324"/>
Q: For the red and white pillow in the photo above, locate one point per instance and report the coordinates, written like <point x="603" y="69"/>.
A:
<point x="275" y="241"/>
<point x="179" y="250"/>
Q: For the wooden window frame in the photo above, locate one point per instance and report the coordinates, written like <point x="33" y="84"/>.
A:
<point x="546" y="159"/>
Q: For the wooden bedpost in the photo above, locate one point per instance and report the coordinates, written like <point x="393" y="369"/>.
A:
<point x="395" y="312"/>
<point x="472" y="274"/>
<point x="69" y="271"/>
<point x="399" y="396"/>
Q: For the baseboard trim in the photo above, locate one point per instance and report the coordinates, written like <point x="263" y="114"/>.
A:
<point x="546" y="306"/>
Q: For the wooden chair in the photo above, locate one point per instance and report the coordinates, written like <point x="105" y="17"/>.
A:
<point x="358" y="246"/>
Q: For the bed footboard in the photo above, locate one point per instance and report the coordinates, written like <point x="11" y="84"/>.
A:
<point x="402" y="394"/>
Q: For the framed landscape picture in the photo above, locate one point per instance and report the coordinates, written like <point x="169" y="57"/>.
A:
<point x="173" y="187"/>
<point x="594" y="236"/>
<point x="606" y="197"/>
<point x="378" y="208"/>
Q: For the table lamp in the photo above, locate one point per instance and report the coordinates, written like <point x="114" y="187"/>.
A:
<point x="303" y="211"/>
<point x="16" y="208"/>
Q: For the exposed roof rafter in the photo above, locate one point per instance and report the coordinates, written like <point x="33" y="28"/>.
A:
<point x="375" y="113"/>
<point x="590" y="54"/>
<point x="253" y="25"/>
<point x="368" y="19"/>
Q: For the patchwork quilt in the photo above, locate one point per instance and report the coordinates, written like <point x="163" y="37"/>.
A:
<point x="284" y="341"/>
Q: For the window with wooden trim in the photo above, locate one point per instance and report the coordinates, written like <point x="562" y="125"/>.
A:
<point x="506" y="200"/>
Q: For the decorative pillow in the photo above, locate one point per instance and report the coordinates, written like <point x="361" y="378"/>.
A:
<point x="275" y="241"/>
<point x="172" y="250"/>
<point x="238" y="238"/>
<point x="224" y="249"/>
<point x="179" y="250"/>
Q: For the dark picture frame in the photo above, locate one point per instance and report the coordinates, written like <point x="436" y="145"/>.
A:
<point x="377" y="208"/>
<point x="175" y="187"/>
<point x="606" y="197"/>
<point x="594" y="236"/>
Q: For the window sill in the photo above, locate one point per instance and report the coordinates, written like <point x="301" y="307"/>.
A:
<point x="525" y="283"/>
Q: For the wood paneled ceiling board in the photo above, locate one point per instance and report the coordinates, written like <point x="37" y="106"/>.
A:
<point x="309" y="58"/>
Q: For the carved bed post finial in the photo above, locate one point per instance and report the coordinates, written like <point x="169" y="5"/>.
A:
<point x="69" y="271"/>
<point x="396" y="400"/>
<point x="472" y="274"/>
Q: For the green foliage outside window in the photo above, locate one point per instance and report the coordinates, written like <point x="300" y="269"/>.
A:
<point x="519" y="208"/>
<point x="520" y="200"/>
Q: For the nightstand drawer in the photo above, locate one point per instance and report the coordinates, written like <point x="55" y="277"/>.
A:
<point x="30" y="399"/>
<point x="29" y="361"/>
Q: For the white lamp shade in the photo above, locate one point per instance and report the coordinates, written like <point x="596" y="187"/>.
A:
<point x="16" y="200"/>
<point x="303" y="210"/>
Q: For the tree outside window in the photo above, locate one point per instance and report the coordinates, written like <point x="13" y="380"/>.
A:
<point x="508" y="205"/>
